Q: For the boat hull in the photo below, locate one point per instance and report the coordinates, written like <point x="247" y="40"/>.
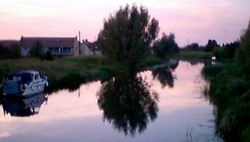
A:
<point x="13" y="89"/>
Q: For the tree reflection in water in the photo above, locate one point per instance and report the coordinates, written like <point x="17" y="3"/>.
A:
<point x="128" y="103"/>
<point x="164" y="74"/>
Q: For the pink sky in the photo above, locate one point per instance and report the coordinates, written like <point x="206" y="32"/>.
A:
<point x="190" y="20"/>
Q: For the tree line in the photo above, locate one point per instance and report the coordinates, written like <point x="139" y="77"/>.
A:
<point x="12" y="51"/>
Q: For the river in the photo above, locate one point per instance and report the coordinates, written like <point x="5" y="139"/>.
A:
<point x="171" y="106"/>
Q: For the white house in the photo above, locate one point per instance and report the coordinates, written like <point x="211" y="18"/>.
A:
<point x="89" y="48"/>
<point x="58" y="46"/>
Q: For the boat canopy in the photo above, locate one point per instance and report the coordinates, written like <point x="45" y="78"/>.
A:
<point x="22" y="76"/>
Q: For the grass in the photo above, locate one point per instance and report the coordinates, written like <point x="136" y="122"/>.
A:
<point x="193" y="55"/>
<point x="68" y="72"/>
<point x="210" y="71"/>
<point x="151" y="61"/>
<point x="58" y="71"/>
<point x="229" y="92"/>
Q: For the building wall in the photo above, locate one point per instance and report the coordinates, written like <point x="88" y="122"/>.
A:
<point x="76" y="48"/>
<point x="86" y="52"/>
<point x="59" y="50"/>
<point x="56" y="50"/>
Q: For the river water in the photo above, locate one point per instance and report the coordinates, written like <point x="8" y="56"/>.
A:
<point x="174" y="109"/>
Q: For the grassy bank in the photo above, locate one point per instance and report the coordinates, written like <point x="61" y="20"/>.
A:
<point x="192" y="55"/>
<point x="69" y="72"/>
<point x="62" y="73"/>
<point x="230" y="93"/>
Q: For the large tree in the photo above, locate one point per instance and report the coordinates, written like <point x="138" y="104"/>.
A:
<point x="127" y="35"/>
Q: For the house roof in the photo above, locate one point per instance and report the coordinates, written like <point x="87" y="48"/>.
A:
<point x="91" y="45"/>
<point x="48" y="41"/>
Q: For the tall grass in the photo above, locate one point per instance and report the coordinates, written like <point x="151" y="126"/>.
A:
<point x="230" y="93"/>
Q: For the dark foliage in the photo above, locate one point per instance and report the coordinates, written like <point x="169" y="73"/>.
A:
<point x="229" y="91"/>
<point x="243" y="54"/>
<point x="127" y="35"/>
<point x="164" y="75"/>
<point x="12" y="52"/>
<point x="128" y="103"/>
<point x="37" y="50"/>
<point x="4" y="51"/>
<point x="211" y="45"/>
<point x="49" y="56"/>
<point x="227" y="51"/>
<point x="165" y="46"/>
<point x="193" y="47"/>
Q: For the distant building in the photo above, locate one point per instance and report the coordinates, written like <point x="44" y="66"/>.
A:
<point x="89" y="48"/>
<point x="58" y="46"/>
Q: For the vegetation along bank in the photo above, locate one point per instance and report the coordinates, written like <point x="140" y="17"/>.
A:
<point x="230" y="92"/>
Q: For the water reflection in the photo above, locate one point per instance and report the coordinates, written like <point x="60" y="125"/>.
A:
<point x="125" y="103"/>
<point x="128" y="103"/>
<point x="17" y="106"/>
<point x="164" y="74"/>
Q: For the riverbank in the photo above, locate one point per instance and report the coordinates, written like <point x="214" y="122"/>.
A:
<point x="62" y="73"/>
<point x="69" y="72"/>
<point x="193" y="55"/>
<point x="230" y="93"/>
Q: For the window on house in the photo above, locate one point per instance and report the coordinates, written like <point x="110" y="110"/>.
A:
<point x="54" y="50"/>
<point x="66" y="50"/>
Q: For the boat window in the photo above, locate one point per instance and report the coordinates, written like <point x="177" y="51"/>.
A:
<point x="26" y="77"/>
<point x="36" y="77"/>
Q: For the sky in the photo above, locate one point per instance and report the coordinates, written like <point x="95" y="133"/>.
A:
<point x="190" y="20"/>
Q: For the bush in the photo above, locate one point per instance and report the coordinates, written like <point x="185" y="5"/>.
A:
<point x="49" y="56"/>
<point x="210" y="71"/>
<point x="235" y="121"/>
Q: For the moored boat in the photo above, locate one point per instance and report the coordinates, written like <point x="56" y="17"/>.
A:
<point x="24" y="83"/>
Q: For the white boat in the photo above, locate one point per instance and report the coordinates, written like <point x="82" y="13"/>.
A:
<point x="24" y="83"/>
